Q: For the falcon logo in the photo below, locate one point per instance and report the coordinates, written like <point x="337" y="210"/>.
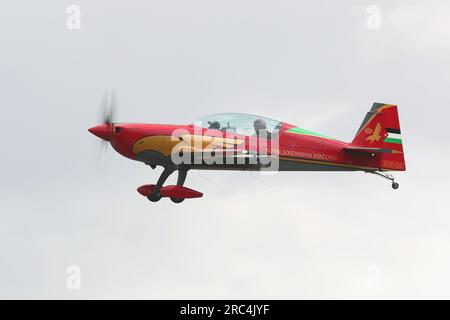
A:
<point x="376" y="134"/>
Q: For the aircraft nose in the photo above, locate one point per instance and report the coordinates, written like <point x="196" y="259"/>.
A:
<point x="103" y="131"/>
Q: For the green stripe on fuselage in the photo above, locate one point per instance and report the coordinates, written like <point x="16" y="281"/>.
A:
<point x="307" y="132"/>
<point x="393" y="140"/>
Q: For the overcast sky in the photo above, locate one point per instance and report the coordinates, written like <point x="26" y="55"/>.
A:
<point x="316" y="64"/>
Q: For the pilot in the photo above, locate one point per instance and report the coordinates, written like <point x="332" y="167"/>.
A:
<point x="261" y="128"/>
<point x="214" y="125"/>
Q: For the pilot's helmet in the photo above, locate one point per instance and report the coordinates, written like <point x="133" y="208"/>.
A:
<point x="259" y="124"/>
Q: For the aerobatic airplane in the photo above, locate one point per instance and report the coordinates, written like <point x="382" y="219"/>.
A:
<point x="235" y="141"/>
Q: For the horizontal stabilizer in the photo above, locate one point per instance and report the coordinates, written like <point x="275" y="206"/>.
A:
<point x="369" y="150"/>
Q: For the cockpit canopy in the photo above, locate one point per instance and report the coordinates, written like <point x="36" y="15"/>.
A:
<point x="239" y="123"/>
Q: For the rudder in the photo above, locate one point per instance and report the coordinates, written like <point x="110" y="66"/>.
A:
<point x="381" y="129"/>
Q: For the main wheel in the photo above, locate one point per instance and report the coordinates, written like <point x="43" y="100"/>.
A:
<point x="395" y="185"/>
<point x="154" y="197"/>
<point x="177" y="200"/>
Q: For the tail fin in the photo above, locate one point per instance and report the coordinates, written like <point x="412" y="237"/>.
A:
<point x="381" y="129"/>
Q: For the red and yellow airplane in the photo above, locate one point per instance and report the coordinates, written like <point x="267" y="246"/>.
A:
<point x="234" y="141"/>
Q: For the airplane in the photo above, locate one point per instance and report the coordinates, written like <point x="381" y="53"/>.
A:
<point x="237" y="141"/>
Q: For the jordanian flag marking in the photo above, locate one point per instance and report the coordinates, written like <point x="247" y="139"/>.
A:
<point x="394" y="136"/>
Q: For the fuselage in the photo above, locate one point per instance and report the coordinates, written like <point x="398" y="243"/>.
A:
<point x="237" y="141"/>
<point x="292" y="148"/>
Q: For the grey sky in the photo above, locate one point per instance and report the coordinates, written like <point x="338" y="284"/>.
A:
<point x="292" y="235"/>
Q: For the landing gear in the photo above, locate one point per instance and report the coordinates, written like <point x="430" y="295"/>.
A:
<point x="156" y="195"/>
<point x="177" y="200"/>
<point x="182" y="173"/>
<point x="386" y="175"/>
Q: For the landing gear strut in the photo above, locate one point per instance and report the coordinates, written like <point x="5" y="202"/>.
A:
<point x="386" y="175"/>
<point x="182" y="173"/>
<point x="156" y="195"/>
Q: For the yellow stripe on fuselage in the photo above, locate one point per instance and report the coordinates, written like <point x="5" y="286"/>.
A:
<point x="166" y="145"/>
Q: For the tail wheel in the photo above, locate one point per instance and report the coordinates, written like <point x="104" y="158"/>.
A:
<point x="395" y="185"/>
<point x="177" y="200"/>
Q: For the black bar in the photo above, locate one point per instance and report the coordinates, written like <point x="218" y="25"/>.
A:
<point x="390" y="130"/>
<point x="216" y="309"/>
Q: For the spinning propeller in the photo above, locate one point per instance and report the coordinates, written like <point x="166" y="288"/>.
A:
<point x="105" y="131"/>
<point x="108" y="108"/>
